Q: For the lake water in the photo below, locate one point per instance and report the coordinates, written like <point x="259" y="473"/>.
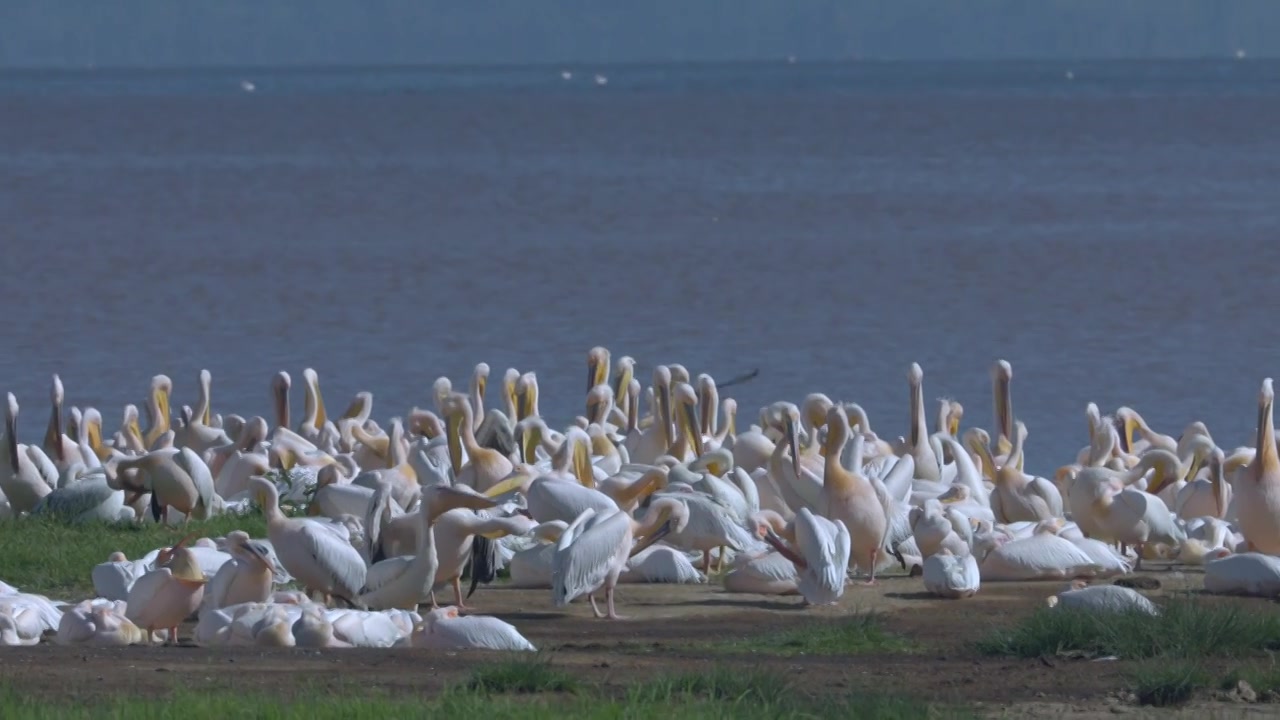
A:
<point x="1113" y="234"/>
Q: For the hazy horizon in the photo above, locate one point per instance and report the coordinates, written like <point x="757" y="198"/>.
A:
<point x="141" y="34"/>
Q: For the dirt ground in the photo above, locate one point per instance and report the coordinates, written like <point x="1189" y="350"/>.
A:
<point x="665" y="626"/>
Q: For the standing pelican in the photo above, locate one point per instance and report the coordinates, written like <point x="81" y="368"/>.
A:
<point x="1258" y="491"/>
<point x="485" y="467"/>
<point x="166" y="596"/>
<point x="198" y="434"/>
<point x="597" y="367"/>
<point x="918" y="447"/>
<point x="819" y="549"/>
<point x="29" y="475"/>
<point x="593" y="551"/>
<point x="58" y="447"/>
<point x="157" y="410"/>
<point x="861" y="503"/>
<point x="318" y="558"/>
<point x="177" y="479"/>
<point x="1002" y="399"/>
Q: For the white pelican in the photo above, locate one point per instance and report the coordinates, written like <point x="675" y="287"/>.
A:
<point x="1043" y="555"/>
<point x="198" y="432"/>
<point x="454" y="532"/>
<point x="484" y="467"/>
<point x="247" y="577"/>
<point x="166" y="596"/>
<point x="820" y="553"/>
<point x="157" y="410"/>
<point x="1249" y="573"/>
<point x="1258" y="490"/>
<point x="444" y="629"/>
<point x="647" y="446"/>
<point x="861" y="503"/>
<point x="593" y="551"/>
<point x="1018" y="496"/>
<point x="1130" y="421"/>
<point x="928" y="465"/>
<point x="1102" y="599"/>
<point x="29" y="474"/>
<point x="61" y="449"/>
<point x="951" y="576"/>
<point x="96" y="623"/>
<point x="766" y="573"/>
<point x="937" y="527"/>
<point x="318" y="558"/>
<point x="177" y="479"/>
<point x="1002" y="438"/>
<point x="403" y="581"/>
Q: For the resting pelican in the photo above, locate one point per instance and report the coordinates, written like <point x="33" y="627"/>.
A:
<point x="647" y="446"/>
<point x="444" y="629"/>
<point x="816" y="546"/>
<point x="30" y="475"/>
<point x="403" y="581"/>
<point x="1206" y="498"/>
<point x="1101" y="599"/>
<point x="166" y="596"/>
<point x="937" y="527"/>
<point x="951" y="576"/>
<point x="861" y="503"/>
<point x="318" y="558"/>
<point x="593" y="551"/>
<point x="1258" y="506"/>
<point x="928" y="466"/>
<point x="484" y="467"/>
<point x="597" y="367"/>
<point x="247" y="577"/>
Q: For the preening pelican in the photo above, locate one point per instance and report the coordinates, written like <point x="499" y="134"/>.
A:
<point x="484" y="467"/>
<point x="166" y="596"/>
<point x="861" y="503"/>
<point x="198" y="434"/>
<point x="816" y="546"/>
<point x="593" y="551"/>
<point x="157" y="410"/>
<point x="177" y="479"/>
<point x="247" y="577"/>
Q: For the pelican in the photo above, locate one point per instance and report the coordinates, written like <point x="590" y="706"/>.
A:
<point x="593" y="551"/>
<point x="1129" y="422"/>
<point x="247" y="577"/>
<point x="198" y="434"/>
<point x="1258" y="507"/>
<point x="484" y="467"/>
<point x="30" y="474"/>
<point x="951" y="576"/>
<point x="157" y="410"/>
<point x="1101" y="599"/>
<point x="166" y="596"/>
<point x="1002" y="399"/>
<point x="928" y="465"/>
<point x="1017" y="495"/>
<point x="861" y="503"/>
<point x="58" y="447"/>
<point x="647" y="446"/>
<point x="403" y="581"/>
<point x="177" y="479"/>
<point x="318" y="558"/>
<point x="444" y="629"/>
<point x="816" y="546"/>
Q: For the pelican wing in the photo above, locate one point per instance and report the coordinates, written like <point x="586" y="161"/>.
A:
<point x="586" y="552"/>
<point x="340" y="562"/>
<point x="76" y="499"/>
<point x="553" y="499"/>
<point x="386" y="571"/>
<point x="1048" y="492"/>
<point x="484" y="633"/>
<point x="201" y="478"/>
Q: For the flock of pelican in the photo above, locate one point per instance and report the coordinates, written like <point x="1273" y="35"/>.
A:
<point x="371" y="522"/>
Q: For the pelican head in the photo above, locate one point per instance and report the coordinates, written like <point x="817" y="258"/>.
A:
<point x="624" y="372"/>
<point x="915" y="380"/>
<point x="597" y="367"/>
<point x="678" y="373"/>
<point x="480" y="378"/>
<point x="509" y="380"/>
<point x="527" y="395"/>
<point x="1001" y="376"/>
<point x="182" y="563"/>
<point x="955" y="413"/>
<point x="665" y="515"/>
<point x="686" y="399"/>
<point x="158" y="408"/>
<point x="599" y="400"/>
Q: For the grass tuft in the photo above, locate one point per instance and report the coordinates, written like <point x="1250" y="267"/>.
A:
<point x="1185" y="629"/>
<point x="521" y="675"/>
<point x="1164" y="685"/>
<point x="851" y="635"/>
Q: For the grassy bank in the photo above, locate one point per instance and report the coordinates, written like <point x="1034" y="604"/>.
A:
<point x="526" y="689"/>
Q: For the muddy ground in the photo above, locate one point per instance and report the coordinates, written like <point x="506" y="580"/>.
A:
<point x="668" y="629"/>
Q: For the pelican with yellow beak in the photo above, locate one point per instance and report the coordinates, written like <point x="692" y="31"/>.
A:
<point x="646" y="446"/>
<point x="593" y="551"/>
<point x="484" y="466"/>
<point x="1258" y="506"/>
<point x="1002" y="399"/>
<point x="1136" y="436"/>
<point x="164" y="597"/>
<point x="198" y="434"/>
<point x="597" y="367"/>
<point x="861" y="503"/>
<point x="157" y="410"/>
<point x="688" y="444"/>
<point x="927" y="466"/>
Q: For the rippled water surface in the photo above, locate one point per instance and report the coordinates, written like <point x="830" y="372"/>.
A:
<point x="1115" y="236"/>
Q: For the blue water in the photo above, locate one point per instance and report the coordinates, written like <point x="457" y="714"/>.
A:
<point x="1112" y="235"/>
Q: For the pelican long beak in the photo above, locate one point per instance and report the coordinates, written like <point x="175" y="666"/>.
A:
<point x="953" y="425"/>
<point x="516" y="481"/>
<point x="663" y="395"/>
<point x="453" y="434"/>
<point x="621" y="382"/>
<point x="530" y="438"/>
<point x="917" y="410"/>
<point x="784" y="550"/>
<point x="321" y="417"/>
<point x="482" y="384"/>
<point x="513" y="399"/>
<point x="593" y="371"/>
<point x="94" y="432"/>
<point x="660" y="532"/>
<point x="287" y="459"/>
<point x="690" y="413"/>
<point x="524" y="403"/>
<point x="1128" y="426"/>
<point x="582" y="464"/>
<point x="793" y="440"/>
<point x="1194" y="468"/>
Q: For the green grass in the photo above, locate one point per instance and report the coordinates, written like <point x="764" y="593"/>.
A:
<point x="856" y="634"/>
<point x="1163" y="685"/>
<point x="1185" y="629"/>
<point x="50" y="557"/>
<point x="526" y="689"/>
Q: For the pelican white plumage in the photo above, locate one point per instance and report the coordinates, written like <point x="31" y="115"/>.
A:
<point x="1258" y="506"/>
<point x="1102" y="599"/>
<point x="951" y="576"/>
<point x="861" y="503"/>
<point x="445" y="629"/>
<point x="593" y="551"/>
<point x="1251" y="573"/>
<point x="247" y="577"/>
<point x="166" y="596"/>
<point x="28" y="475"/>
<point x="816" y="546"/>
<point x="313" y="554"/>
